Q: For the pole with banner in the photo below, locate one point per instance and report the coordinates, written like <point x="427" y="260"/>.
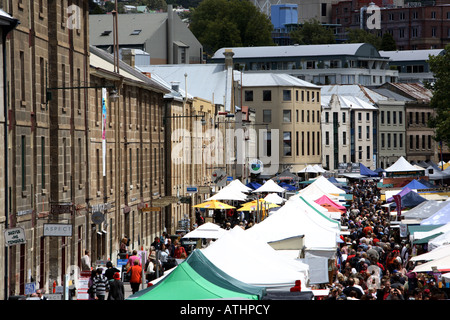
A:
<point x="398" y="203"/>
<point x="104" y="113"/>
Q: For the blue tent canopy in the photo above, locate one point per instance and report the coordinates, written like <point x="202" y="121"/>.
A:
<point x="411" y="199"/>
<point x="363" y="170"/>
<point x="253" y="185"/>
<point x="414" y="184"/>
<point x="287" y="186"/>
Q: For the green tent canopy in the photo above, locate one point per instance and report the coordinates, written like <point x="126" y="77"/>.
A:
<point x="184" y="283"/>
<point x="210" y="272"/>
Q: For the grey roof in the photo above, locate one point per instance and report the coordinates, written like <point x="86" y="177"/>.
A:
<point x="206" y="81"/>
<point x="148" y="23"/>
<point x="391" y="94"/>
<point x="355" y="90"/>
<point x="293" y="51"/>
<point x="411" y="55"/>
<point x="106" y="56"/>
<point x="273" y="80"/>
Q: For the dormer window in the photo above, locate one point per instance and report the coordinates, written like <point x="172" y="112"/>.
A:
<point x="106" y="33"/>
<point x="136" y="32"/>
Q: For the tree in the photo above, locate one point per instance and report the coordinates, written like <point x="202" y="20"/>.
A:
<point x="313" y="32"/>
<point x="440" y="102"/>
<point x="388" y="43"/>
<point x="230" y="23"/>
<point x="363" y="36"/>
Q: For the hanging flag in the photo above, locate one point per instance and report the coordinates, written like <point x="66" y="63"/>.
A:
<point x="398" y="202"/>
<point x="104" y="130"/>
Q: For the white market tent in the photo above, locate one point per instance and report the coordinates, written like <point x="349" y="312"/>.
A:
<point x="207" y="230"/>
<point x="320" y="187"/>
<point x="441" y="216"/>
<point x="425" y="209"/>
<point x="319" y="168"/>
<point x="274" y="198"/>
<point x="270" y="186"/>
<point x="229" y="194"/>
<point x="439" y="241"/>
<point x="327" y="186"/>
<point x="252" y="261"/>
<point x="308" y="169"/>
<point x="402" y="165"/>
<point x="293" y="220"/>
<point x="434" y="254"/>
<point x="440" y="264"/>
<point x="238" y="185"/>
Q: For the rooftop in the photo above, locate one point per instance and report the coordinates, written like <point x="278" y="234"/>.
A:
<point x="411" y="55"/>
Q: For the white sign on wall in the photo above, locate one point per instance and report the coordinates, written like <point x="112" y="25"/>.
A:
<point x="57" y="230"/>
<point x="14" y="236"/>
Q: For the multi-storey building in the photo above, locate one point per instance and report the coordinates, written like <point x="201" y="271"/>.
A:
<point x="350" y="63"/>
<point x="7" y="23"/>
<point x="289" y="109"/>
<point x="69" y="165"/>
<point x="420" y="144"/>
<point x="413" y="25"/>
<point x="348" y="130"/>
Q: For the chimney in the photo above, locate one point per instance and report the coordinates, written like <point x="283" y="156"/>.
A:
<point x="128" y="56"/>
<point x="228" y="57"/>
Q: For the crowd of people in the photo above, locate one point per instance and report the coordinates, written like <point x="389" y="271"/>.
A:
<point x="373" y="260"/>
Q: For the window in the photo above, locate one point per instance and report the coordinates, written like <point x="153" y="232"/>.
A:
<point x="135" y="32"/>
<point x="367" y="116"/>
<point x="359" y="132"/>
<point x="343" y="117"/>
<point x="394" y="117"/>
<point x="344" y="138"/>
<point x="327" y="117"/>
<point x="382" y="140"/>
<point x="286" y="95"/>
<point x="286" y="115"/>
<point x="106" y="33"/>
<point x="411" y="142"/>
<point x="400" y="140"/>
<point x="324" y="9"/>
<point x="42" y="162"/>
<point x="395" y="140"/>
<point x="327" y="138"/>
<point x="368" y="152"/>
<point x="400" y="117"/>
<point x="267" y="95"/>
<point x="417" y="141"/>
<point x="287" y="143"/>
<point x="367" y="132"/>
<point x="423" y="141"/>
<point x="23" y="162"/>
<point x="389" y="140"/>
<point x="267" y="115"/>
<point x="268" y="143"/>
<point x="429" y="142"/>
<point x="388" y="117"/>
<point x="248" y="95"/>
<point x="360" y="153"/>
<point x="296" y="144"/>
<point x="359" y="116"/>
<point x="303" y="143"/>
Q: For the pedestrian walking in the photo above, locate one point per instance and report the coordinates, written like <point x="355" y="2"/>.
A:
<point x="86" y="261"/>
<point x="101" y="285"/>
<point x="116" y="288"/>
<point x="135" y="276"/>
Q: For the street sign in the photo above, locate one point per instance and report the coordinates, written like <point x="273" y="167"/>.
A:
<point x="14" y="236"/>
<point x="57" y="230"/>
<point x="61" y="208"/>
<point x="98" y="217"/>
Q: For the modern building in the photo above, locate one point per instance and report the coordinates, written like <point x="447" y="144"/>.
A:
<point x="351" y="63"/>
<point x="412" y="65"/>
<point x="163" y="35"/>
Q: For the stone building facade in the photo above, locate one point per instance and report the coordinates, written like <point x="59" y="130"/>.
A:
<point x="55" y="169"/>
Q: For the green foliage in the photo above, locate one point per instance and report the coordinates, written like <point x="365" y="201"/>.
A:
<point x="312" y="32"/>
<point x="440" y="102"/>
<point x="230" y="23"/>
<point x="363" y="36"/>
<point x="388" y="43"/>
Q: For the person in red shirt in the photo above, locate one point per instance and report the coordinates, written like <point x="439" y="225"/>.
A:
<point x="136" y="276"/>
